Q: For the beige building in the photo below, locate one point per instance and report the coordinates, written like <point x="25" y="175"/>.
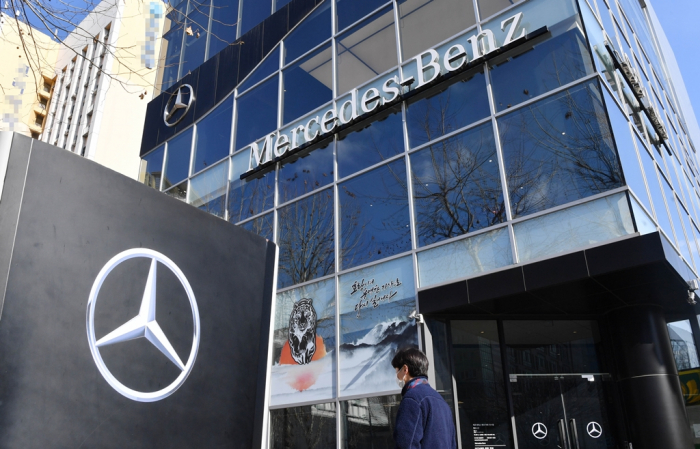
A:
<point x="99" y="81"/>
<point x="26" y="76"/>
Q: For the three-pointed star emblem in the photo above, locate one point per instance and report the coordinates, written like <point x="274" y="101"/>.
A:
<point x="181" y="99"/>
<point x="594" y="429"/>
<point x="539" y="430"/>
<point x="178" y="104"/>
<point x="144" y="324"/>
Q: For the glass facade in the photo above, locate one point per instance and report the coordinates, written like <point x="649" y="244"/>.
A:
<point x="544" y="149"/>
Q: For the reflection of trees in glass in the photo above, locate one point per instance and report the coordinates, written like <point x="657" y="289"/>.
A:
<point x="248" y="197"/>
<point x="548" y="65"/>
<point x="306" y="239"/>
<point x="456" y="186"/>
<point x="262" y="226"/>
<point x="374" y="215"/>
<point x="303" y="427"/>
<point x="370" y="142"/>
<point x="559" y="150"/>
<point x="447" y="110"/>
<point x="369" y="422"/>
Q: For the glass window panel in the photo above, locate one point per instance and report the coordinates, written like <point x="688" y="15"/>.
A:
<point x="305" y="236"/>
<point x="695" y="246"/>
<point x="313" y="30"/>
<point x="447" y="109"/>
<point x="478" y="373"/>
<point x="558" y="150"/>
<point x="374" y="306"/>
<point x="645" y="225"/>
<point x="370" y="142"/>
<point x="250" y="196"/>
<point x="374" y="215"/>
<point x="213" y="136"/>
<point x="350" y="11"/>
<point x="465" y="258"/>
<point x="551" y="64"/>
<point x="576" y="227"/>
<point x="675" y="210"/>
<point x="308" y="84"/>
<point x="425" y="23"/>
<point x="307" y="427"/>
<point x="369" y="422"/>
<point x="280" y="3"/>
<point x="487" y="8"/>
<point x="270" y="64"/>
<point x="263" y="226"/>
<point x="310" y="171"/>
<point x="655" y="190"/>
<point x="224" y="23"/>
<point x="254" y="12"/>
<point x="257" y="113"/>
<point x="177" y="162"/>
<point x="171" y="48"/>
<point x="457" y="186"/>
<point x="196" y="27"/>
<point x="208" y="190"/>
<point x="303" y="346"/>
<point x="152" y="168"/>
<point x="683" y="345"/>
<point x="442" y="356"/>
<point x="691" y="249"/>
<point x="626" y="150"/>
<point x="179" y="191"/>
<point x="366" y="50"/>
<point x="672" y="211"/>
<point x="569" y="346"/>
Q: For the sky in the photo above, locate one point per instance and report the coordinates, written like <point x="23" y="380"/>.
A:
<point x="678" y="19"/>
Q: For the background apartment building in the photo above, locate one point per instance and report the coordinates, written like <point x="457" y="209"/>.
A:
<point x="95" y="84"/>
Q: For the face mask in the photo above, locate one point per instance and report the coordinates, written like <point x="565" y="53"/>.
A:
<point x="400" y="382"/>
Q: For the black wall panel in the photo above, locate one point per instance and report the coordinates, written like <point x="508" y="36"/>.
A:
<point x="74" y="217"/>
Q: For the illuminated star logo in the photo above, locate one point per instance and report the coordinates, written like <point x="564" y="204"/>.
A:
<point x="143" y="325"/>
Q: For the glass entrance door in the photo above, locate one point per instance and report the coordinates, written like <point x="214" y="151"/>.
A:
<point x="559" y="385"/>
<point x="565" y="411"/>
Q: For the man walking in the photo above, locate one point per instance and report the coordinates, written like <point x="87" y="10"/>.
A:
<point x="424" y="419"/>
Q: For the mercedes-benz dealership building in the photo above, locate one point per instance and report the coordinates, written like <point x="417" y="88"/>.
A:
<point x="508" y="185"/>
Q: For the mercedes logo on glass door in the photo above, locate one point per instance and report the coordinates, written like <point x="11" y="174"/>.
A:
<point x="178" y="104"/>
<point x="594" y="430"/>
<point x="539" y="430"/>
<point x="144" y="324"/>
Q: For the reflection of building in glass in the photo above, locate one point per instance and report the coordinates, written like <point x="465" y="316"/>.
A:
<point x="521" y="173"/>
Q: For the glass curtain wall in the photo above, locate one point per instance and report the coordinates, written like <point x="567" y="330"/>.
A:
<point x="196" y="30"/>
<point x="660" y="171"/>
<point x="487" y="169"/>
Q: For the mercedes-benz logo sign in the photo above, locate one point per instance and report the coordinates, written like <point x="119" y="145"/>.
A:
<point x="539" y="430"/>
<point x="180" y="100"/>
<point x="142" y="325"/>
<point x="594" y="430"/>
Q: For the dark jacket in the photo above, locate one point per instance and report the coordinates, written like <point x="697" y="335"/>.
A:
<point x="424" y="419"/>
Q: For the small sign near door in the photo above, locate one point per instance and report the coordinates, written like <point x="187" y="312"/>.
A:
<point x="485" y="437"/>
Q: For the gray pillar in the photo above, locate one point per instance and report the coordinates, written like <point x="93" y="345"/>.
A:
<point x="648" y="380"/>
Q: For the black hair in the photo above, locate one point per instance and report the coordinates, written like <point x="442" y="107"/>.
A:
<point x="414" y="359"/>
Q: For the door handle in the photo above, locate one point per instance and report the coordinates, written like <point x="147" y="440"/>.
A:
<point x="574" y="433"/>
<point x="562" y="435"/>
